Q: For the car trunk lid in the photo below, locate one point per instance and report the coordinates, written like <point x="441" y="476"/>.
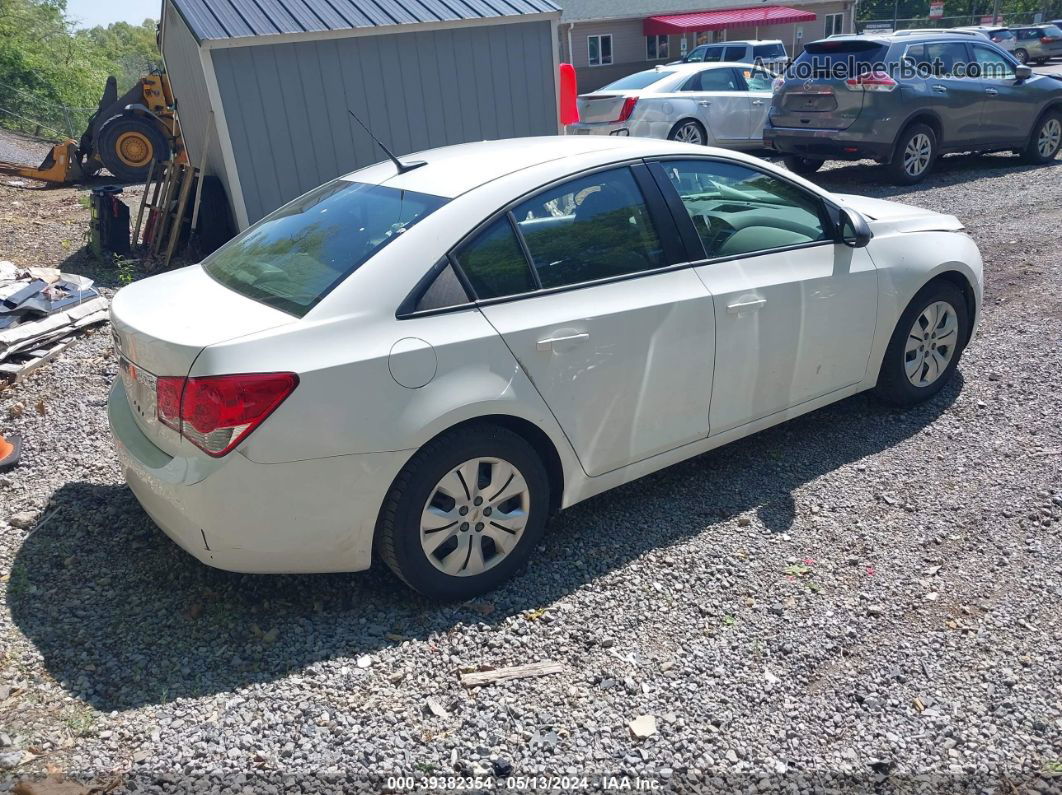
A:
<point x="601" y="108"/>
<point x="161" y="324"/>
<point x="815" y="94"/>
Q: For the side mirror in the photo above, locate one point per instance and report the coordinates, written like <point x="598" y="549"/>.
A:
<point x="855" y="232"/>
<point x="1023" y="72"/>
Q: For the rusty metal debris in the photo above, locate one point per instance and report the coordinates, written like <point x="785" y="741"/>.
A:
<point x="41" y="310"/>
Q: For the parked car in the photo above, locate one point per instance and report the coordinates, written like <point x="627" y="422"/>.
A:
<point x="768" y="53"/>
<point x="1037" y="43"/>
<point x="721" y="104"/>
<point x="906" y="117"/>
<point x="1001" y="37"/>
<point x="427" y="364"/>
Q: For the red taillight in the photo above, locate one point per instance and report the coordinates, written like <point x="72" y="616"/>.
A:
<point x="871" y="81"/>
<point x="1046" y="39"/>
<point x="628" y="108"/>
<point x="216" y="413"/>
<point x="168" y="401"/>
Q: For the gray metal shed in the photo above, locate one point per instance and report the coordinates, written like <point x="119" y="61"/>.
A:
<point x="263" y="86"/>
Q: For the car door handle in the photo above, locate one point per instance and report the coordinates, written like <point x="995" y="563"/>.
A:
<point x="574" y="339"/>
<point x="746" y="306"/>
<point x="991" y="91"/>
<point x="941" y="89"/>
<point x="704" y="103"/>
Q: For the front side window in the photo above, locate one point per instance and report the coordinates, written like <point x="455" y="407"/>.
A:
<point x="599" y="49"/>
<point x="738" y="210"/>
<point x="656" y="48"/>
<point x="722" y="79"/>
<point x="696" y="55"/>
<point x="295" y="256"/>
<point x="592" y="227"/>
<point x="494" y="263"/>
<point x="992" y="65"/>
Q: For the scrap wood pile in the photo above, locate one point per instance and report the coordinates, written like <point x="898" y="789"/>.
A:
<point x="41" y="311"/>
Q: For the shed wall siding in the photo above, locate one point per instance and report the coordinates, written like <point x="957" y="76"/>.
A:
<point x="181" y="54"/>
<point x="286" y="104"/>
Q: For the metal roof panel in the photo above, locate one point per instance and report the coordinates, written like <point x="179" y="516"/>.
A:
<point x="228" y="19"/>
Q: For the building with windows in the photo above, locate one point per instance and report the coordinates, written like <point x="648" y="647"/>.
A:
<point x="608" y="39"/>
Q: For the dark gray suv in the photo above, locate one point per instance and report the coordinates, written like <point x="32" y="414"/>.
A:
<point x="903" y="101"/>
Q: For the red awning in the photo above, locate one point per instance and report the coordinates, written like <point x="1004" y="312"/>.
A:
<point x="728" y="18"/>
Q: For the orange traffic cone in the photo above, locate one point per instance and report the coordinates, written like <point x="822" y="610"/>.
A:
<point x="10" y="450"/>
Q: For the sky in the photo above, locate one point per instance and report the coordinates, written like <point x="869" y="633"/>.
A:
<point x="89" y="13"/>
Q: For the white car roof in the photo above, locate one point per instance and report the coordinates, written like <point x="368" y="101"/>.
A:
<point x="454" y="170"/>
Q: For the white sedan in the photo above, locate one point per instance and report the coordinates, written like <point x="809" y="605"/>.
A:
<point x="718" y="104"/>
<point x="426" y="365"/>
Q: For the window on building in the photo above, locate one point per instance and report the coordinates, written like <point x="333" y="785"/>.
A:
<point x="656" y="48"/>
<point x="834" y="24"/>
<point x="599" y="49"/>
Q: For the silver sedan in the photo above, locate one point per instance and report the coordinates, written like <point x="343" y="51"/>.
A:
<point x="717" y="104"/>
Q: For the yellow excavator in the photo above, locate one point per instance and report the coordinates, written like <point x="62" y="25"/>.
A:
<point x="124" y="135"/>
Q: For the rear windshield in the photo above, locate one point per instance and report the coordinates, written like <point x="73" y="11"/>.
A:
<point x="293" y="257"/>
<point x="637" y="80"/>
<point x="768" y="51"/>
<point x="1001" y="35"/>
<point x="838" y="59"/>
<point x="1053" y="31"/>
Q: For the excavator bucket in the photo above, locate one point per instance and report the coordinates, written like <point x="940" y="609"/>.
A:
<point x="60" y="166"/>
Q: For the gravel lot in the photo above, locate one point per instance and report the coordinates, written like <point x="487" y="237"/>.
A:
<point x="860" y="596"/>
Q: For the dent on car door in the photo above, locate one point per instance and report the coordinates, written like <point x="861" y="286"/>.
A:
<point x="759" y="85"/>
<point x="1009" y="107"/>
<point x="795" y="311"/>
<point x="619" y="344"/>
<point x="723" y="104"/>
<point x="957" y="96"/>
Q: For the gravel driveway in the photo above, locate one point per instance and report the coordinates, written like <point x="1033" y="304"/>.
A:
<point x="861" y="595"/>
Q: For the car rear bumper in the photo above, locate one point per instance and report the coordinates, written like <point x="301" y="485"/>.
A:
<point x="826" y="144"/>
<point x="306" y="516"/>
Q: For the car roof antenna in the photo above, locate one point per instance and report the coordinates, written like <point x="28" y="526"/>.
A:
<point x="402" y="167"/>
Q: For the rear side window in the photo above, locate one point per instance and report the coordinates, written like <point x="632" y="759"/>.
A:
<point x="295" y="256"/>
<point x="734" y="54"/>
<point x="494" y="263"/>
<point x="638" y="80"/>
<point x="590" y="228"/>
<point x="723" y="79"/>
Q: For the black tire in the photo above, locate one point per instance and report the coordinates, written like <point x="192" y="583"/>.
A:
<point x="802" y="165"/>
<point x="897" y="169"/>
<point x="676" y="131"/>
<point x="1040" y="61"/>
<point x="399" y="526"/>
<point x="1052" y="120"/>
<point x="111" y="137"/>
<point x="1022" y="55"/>
<point x="894" y="386"/>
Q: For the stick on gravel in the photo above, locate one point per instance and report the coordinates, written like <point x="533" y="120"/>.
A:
<point x="515" y="672"/>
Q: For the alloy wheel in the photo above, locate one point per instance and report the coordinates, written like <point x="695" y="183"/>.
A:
<point x="475" y="516"/>
<point x="931" y="343"/>
<point x="689" y="133"/>
<point x="1050" y="137"/>
<point x="917" y="154"/>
